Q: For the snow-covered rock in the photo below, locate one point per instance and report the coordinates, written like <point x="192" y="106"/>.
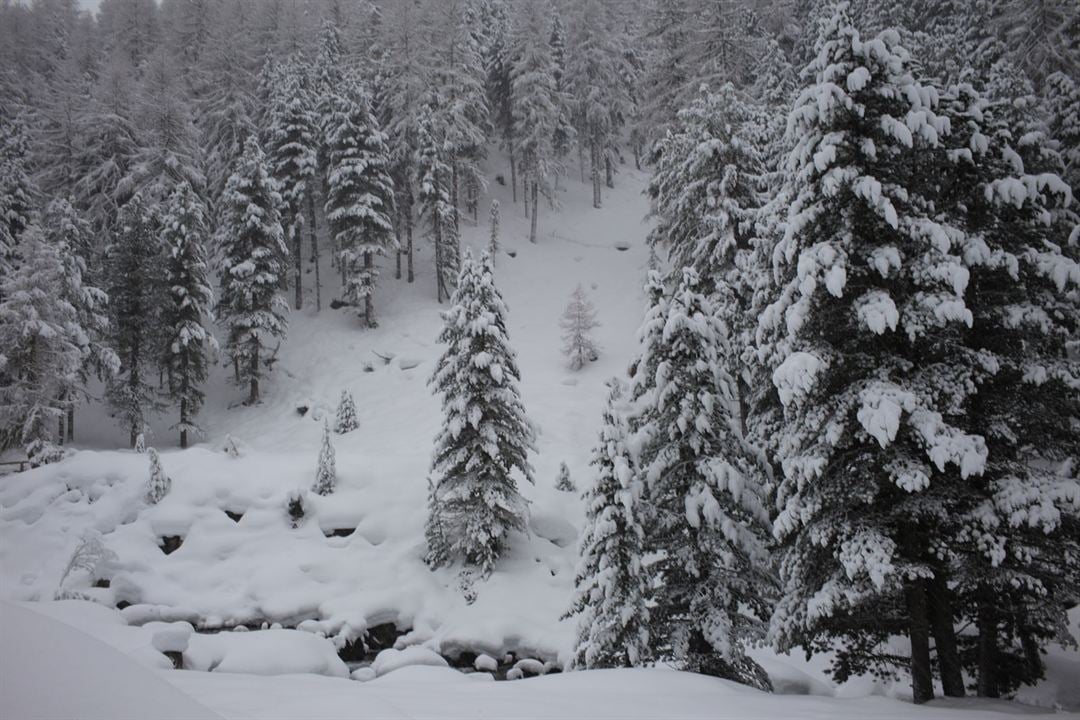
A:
<point x="391" y="659"/>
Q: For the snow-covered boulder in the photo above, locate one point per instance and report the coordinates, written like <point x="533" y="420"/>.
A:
<point x="390" y="659"/>
<point x="265" y="652"/>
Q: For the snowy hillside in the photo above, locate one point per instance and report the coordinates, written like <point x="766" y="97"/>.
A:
<point x="259" y="569"/>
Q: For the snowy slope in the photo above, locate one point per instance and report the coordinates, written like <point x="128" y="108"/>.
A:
<point x="260" y="569"/>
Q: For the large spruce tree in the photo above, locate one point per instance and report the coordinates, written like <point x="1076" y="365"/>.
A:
<point x="188" y="339"/>
<point x="482" y="449"/>
<point x="254" y="258"/>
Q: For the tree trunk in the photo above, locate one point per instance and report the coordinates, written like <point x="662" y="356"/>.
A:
<point x="513" y="172"/>
<point x="71" y="423"/>
<point x="298" y="269"/>
<point x="986" y="683"/>
<point x="61" y="433"/>
<point x="922" y="678"/>
<point x="535" y="210"/>
<point x="409" y="239"/>
<point x="941" y="620"/>
<point x="526" y="187"/>
<point x="400" y="245"/>
<point x="314" y="238"/>
<point x="609" y="172"/>
<point x="253" y="397"/>
<point x="369" y="300"/>
<point x="581" y="161"/>
<point x="439" y="288"/>
<point x="454" y="194"/>
<point x="183" y="423"/>
<point x="594" y="161"/>
<point x="637" y="155"/>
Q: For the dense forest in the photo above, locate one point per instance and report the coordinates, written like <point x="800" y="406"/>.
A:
<point x="854" y="414"/>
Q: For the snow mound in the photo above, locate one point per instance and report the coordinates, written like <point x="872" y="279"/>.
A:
<point x="51" y="670"/>
<point x="265" y="652"/>
<point x="390" y="659"/>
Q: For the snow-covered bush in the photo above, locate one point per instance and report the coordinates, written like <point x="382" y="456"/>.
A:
<point x="159" y="483"/>
<point x="90" y="555"/>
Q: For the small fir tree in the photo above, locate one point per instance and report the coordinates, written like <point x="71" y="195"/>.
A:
<point x="345" y="420"/>
<point x="578" y="320"/>
<point x="493" y="231"/>
<point x="253" y="263"/>
<point x="159" y="484"/>
<point x="612" y="584"/>
<point x="326" y="473"/>
<point x="486" y="435"/>
<point x="563" y="481"/>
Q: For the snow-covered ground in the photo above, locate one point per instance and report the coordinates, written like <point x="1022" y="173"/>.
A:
<point x="74" y="659"/>
<point x="260" y="570"/>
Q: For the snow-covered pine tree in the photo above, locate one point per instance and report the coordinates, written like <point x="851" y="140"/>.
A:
<point x="649" y="335"/>
<point x="1014" y="543"/>
<point x="16" y="189"/>
<point x="707" y="519"/>
<point x="254" y="257"/>
<point x="72" y="236"/>
<point x="135" y="281"/>
<point x="457" y="82"/>
<point x="612" y="584"/>
<point x="360" y="197"/>
<point x="862" y="338"/>
<point x="188" y="340"/>
<point x="705" y="186"/>
<point x="493" y="232"/>
<point x="1063" y="105"/>
<point x="167" y="153"/>
<point x="435" y="176"/>
<point x="345" y="418"/>
<point x="159" y="484"/>
<point x="577" y="323"/>
<point x="600" y="97"/>
<point x="486" y="436"/>
<point x="563" y="483"/>
<point x="293" y="154"/>
<point x="498" y="61"/>
<point x="326" y="472"/>
<point x="38" y="351"/>
<point x="534" y="105"/>
<point x="109" y="147"/>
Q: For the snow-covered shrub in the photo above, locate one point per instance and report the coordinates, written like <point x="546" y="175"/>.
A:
<point x="345" y="421"/>
<point x="159" y="483"/>
<point x="296" y="506"/>
<point x="90" y="555"/>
